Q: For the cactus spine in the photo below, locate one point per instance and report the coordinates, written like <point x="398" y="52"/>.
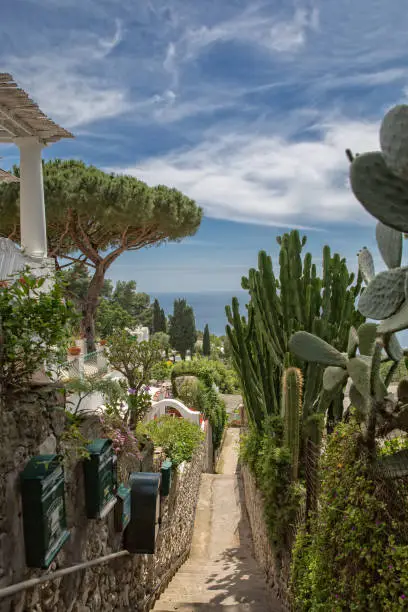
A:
<point x="292" y="386"/>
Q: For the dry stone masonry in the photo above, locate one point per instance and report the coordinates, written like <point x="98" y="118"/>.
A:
<point x="33" y="425"/>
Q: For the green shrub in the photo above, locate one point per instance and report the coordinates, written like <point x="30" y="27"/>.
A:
<point x="356" y="556"/>
<point x="209" y="372"/>
<point x="190" y="392"/>
<point x="213" y="408"/>
<point x="201" y="395"/>
<point x="270" y="464"/>
<point x="162" y="370"/>
<point x="35" y="328"/>
<point x="178" y="438"/>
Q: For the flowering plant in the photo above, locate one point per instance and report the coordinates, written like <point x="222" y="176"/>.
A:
<point x="124" y="443"/>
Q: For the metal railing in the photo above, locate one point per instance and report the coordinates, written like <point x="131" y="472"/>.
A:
<point x="85" y="366"/>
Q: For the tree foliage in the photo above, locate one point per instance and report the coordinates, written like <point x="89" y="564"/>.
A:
<point x="93" y="217"/>
<point x="182" y="329"/>
<point x="111" y="317"/>
<point x="206" y="342"/>
<point x="35" y="327"/>
<point x="136" y="304"/>
<point x="135" y="361"/>
<point x="163" y="340"/>
<point x="159" y="318"/>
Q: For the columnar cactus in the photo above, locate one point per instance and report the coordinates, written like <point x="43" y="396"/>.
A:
<point x="291" y="409"/>
<point x="278" y="307"/>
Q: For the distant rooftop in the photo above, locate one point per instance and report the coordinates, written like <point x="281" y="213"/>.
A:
<point x="6" y="177"/>
<point x="21" y="117"/>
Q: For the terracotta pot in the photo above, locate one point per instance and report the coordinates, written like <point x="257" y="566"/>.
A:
<point x="102" y="342"/>
<point x="74" y="350"/>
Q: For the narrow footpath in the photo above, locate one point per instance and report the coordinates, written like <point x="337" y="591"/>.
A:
<point x="221" y="573"/>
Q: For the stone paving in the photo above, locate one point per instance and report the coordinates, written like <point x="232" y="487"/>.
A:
<point x="221" y="573"/>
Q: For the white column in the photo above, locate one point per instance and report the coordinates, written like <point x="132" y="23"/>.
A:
<point x="32" y="208"/>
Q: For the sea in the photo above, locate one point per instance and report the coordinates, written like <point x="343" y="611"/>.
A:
<point x="208" y="307"/>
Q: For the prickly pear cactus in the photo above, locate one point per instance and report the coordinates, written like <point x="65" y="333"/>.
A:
<point x="389" y="243"/>
<point x="366" y="265"/>
<point x="313" y="349"/>
<point x="394" y="140"/>
<point x="383" y="194"/>
<point x="384" y="294"/>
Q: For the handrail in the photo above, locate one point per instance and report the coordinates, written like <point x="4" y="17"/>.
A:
<point x="169" y="573"/>
<point x="33" y="582"/>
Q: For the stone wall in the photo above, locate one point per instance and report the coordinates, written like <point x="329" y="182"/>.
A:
<point x="276" y="571"/>
<point x="34" y="425"/>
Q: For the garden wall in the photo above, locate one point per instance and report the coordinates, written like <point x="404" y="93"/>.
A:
<point x="276" y="571"/>
<point x="34" y="425"/>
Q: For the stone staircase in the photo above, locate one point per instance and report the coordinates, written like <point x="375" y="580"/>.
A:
<point x="221" y="573"/>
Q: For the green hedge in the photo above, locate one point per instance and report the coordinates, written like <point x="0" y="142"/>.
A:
<point x="209" y="371"/>
<point x="202" y="396"/>
<point x="270" y="463"/>
<point x="178" y="438"/>
<point x="355" y="556"/>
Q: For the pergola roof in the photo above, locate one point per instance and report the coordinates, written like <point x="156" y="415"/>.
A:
<point x="6" y="177"/>
<point x="20" y="116"/>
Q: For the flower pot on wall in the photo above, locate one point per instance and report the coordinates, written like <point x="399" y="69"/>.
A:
<point x="74" y="350"/>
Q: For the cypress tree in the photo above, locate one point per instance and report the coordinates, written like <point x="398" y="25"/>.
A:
<point x="206" y="342"/>
<point x="182" y="328"/>
<point x="157" y="321"/>
<point x="163" y="321"/>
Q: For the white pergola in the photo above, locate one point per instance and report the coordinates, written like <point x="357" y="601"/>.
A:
<point x="24" y="124"/>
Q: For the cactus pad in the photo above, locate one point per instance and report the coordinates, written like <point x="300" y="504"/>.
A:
<point x="393" y="347"/>
<point x="366" y="265"/>
<point x="333" y="377"/>
<point x="383" y="195"/>
<point x="394" y="140"/>
<point x="358" y="401"/>
<point x="389" y="242"/>
<point x="359" y="371"/>
<point x="352" y="342"/>
<point x="384" y="295"/>
<point x="311" y="348"/>
<point x="402" y="390"/>
<point x="367" y="333"/>
<point x="396" y="322"/>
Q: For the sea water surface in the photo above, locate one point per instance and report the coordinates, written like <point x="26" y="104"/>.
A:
<point x="208" y="307"/>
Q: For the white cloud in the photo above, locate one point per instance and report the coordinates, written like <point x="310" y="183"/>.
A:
<point x="251" y="26"/>
<point x="265" y="178"/>
<point x="67" y="81"/>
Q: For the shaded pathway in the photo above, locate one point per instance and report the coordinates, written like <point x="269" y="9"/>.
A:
<point x="221" y="573"/>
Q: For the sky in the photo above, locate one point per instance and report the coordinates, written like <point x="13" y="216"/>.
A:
<point x="245" y="106"/>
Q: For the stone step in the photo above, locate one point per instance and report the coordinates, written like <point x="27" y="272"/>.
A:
<point x="238" y="595"/>
<point x="211" y="607"/>
<point x="219" y="571"/>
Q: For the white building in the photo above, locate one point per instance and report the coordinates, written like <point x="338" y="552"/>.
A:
<point x="141" y="333"/>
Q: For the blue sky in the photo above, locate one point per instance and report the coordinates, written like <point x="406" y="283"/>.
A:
<point x="246" y="106"/>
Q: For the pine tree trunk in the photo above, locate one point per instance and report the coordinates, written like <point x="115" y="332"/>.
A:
<point x="90" y="307"/>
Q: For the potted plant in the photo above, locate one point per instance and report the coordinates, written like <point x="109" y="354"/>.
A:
<point x="74" y="350"/>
